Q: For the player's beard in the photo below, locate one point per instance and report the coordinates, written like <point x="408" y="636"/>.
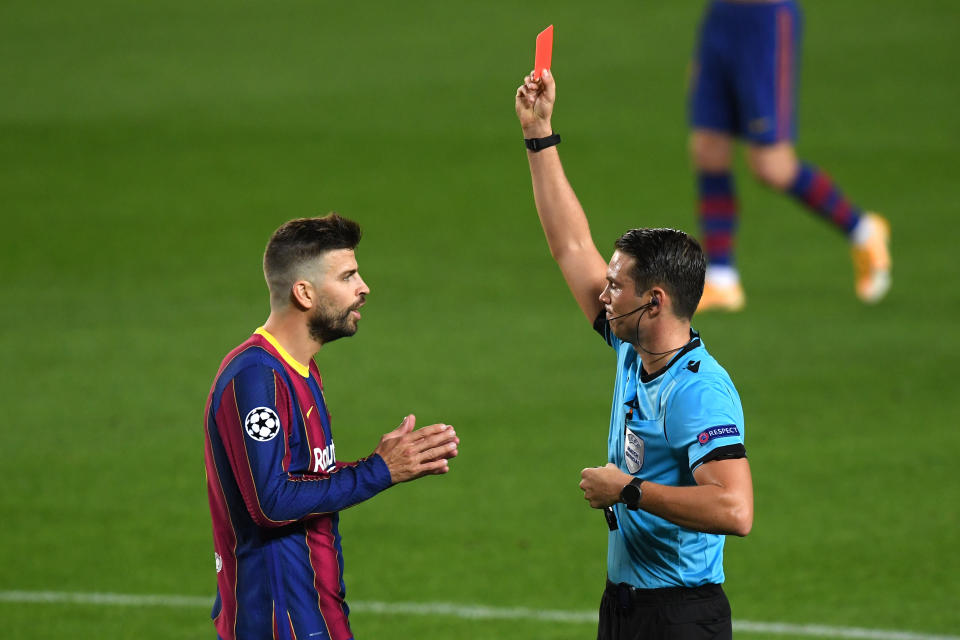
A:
<point x="327" y="325"/>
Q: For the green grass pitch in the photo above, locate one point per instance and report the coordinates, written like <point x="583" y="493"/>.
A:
<point x="147" y="150"/>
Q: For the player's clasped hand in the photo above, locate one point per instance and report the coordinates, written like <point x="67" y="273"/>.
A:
<point x="411" y="454"/>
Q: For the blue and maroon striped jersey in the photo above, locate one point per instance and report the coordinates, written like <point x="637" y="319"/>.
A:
<point x="275" y="490"/>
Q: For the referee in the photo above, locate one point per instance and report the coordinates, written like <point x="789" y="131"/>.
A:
<point x="677" y="478"/>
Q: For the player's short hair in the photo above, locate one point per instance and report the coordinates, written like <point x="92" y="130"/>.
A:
<point x="296" y="245"/>
<point x="668" y="258"/>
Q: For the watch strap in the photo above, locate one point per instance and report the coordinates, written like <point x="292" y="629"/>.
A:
<point x="539" y="144"/>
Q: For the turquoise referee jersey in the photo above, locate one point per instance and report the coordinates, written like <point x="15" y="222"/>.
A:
<point x="664" y="425"/>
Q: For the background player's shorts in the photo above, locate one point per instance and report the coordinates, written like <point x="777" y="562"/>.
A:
<point x="746" y="69"/>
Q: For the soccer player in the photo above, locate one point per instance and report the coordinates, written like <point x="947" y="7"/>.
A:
<point x="744" y="86"/>
<point x="274" y="482"/>
<point x="677" y="479"/>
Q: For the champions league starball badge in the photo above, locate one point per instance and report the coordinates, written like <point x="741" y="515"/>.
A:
<point x="262" y="424"/>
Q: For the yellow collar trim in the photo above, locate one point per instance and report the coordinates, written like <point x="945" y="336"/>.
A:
<point x="302" y="369"/>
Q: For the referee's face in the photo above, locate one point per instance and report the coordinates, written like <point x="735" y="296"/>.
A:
<point x="619" y="297"/>
<point x="341" y="292"/>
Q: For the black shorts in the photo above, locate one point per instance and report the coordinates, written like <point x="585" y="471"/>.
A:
<point x="675" y="613"/>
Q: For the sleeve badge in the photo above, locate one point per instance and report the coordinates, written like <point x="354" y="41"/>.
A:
<point x="262" y="424"/>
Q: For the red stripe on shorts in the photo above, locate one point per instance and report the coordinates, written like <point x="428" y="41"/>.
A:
<point x="784" y="73"/>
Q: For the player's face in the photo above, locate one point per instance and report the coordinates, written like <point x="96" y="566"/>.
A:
<point x="620" y="297"/>
<point x="341" y="292"/>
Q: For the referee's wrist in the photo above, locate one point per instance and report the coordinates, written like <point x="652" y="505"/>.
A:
<point x="537" y="130"/>
<point x="632" y="493"/>
<point x="541" y="143"/>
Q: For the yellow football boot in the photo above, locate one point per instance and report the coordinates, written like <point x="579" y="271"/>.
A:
<point x="729" y="297"/>
<point x="871" y="259"/>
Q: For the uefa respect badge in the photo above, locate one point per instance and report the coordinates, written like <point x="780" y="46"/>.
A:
<point x="721" y="431"/>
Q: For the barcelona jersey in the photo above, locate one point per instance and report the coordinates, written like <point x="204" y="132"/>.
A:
<point x="276" y="489"/>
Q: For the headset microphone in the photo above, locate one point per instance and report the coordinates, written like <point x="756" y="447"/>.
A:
<point x="653" y="303"/>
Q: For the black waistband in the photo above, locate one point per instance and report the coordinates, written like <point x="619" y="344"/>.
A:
<point x="628" y="595"/>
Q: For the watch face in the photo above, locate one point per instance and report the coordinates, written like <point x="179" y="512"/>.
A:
<point x="631" y="496"/>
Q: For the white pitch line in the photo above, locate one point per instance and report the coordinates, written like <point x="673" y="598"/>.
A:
<point x="474" y="612"/>
<point x="471" y="612"/>
<point x="824" y="631"/>
<point x="111" y="599"/>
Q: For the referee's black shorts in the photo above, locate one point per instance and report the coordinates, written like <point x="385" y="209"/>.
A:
<point x="674" y="613"/>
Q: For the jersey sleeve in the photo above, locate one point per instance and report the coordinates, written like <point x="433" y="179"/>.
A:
<point x="705" y="420"/>
<point x="602" y="326"/>
<point x="253" y="422"/>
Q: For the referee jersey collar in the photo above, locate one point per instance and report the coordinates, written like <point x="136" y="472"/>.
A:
<point x="687" y="348"/>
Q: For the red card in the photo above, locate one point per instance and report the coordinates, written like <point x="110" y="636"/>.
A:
<point x="544" y="52"/>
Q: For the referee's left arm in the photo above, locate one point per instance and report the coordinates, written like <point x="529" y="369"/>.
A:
<point x="722" y="501"/>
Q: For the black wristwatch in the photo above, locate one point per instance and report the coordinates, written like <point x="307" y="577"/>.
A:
<point x="539" y="144"/>
<point x="631" y="493"/>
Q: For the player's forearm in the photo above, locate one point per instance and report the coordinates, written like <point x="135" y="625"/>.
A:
<point x="283" y="500"/>
<point x="708" y="508"/>
<point x="563" y="219"/>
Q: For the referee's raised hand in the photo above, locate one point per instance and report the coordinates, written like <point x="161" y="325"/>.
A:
<point x="413" y="453"/>
<point x="534" y="103"/>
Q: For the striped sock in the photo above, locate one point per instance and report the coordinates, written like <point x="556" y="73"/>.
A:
<point x="817" y="190"/>
<point x="718" y="216"/>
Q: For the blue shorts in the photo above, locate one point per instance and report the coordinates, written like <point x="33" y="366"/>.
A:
<point x="746" y="70"/>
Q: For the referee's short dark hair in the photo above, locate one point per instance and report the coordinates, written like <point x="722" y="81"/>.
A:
<point x="668" y="258"/>
<point x="297" y="243"/>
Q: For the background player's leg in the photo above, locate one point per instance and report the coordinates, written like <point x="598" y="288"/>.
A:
<point x="766" y="81"/>
<point x="712" y="155"/>
<point x="777" y="166"/>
